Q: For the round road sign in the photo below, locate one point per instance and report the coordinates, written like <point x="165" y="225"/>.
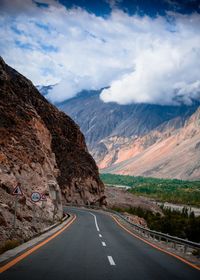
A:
<point x="35" y="196"/>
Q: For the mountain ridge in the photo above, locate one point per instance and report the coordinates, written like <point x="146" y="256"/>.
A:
<point x="114" y="132"/>
<point x="99" y="120"/>
<point x="174" y="156"/>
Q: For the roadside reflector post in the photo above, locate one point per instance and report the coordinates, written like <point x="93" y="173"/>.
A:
<point x="43" y="199"/>
<point x="34" y="215"/>
<point x="55" y="203"/>
<point x="42" y="215"/>
<point x="54" y="210"/>
<point x="185" y="249"/>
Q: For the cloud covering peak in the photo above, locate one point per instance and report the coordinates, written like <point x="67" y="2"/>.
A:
<point x="166" y="66"/>
<point x="140" y="58"/>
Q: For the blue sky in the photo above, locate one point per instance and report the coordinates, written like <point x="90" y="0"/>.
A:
<point x="143" y="51"/>
<point x="143" y="7"/>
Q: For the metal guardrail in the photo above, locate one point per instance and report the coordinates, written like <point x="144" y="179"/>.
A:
<point x="148" y="233"/>
<point x="163" y="236"/>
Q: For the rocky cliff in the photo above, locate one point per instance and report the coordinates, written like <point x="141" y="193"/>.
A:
<point x="41" y="149"/>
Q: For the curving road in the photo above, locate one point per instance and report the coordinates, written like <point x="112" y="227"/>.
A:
<point x="94" y="247"/>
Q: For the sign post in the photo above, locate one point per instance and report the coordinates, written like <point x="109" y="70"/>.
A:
<point x="17" y="192"/>
<point x="35" y="197"/>
<point x="43" y="199"/>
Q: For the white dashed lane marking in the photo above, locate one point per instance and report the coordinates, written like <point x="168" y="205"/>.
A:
<point x="95" y="220"/>
<point x="111" y="261"/>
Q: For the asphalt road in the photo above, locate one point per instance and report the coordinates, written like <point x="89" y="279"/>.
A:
<point x="94" y="247"/>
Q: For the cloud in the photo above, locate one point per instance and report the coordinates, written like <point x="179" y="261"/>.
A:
<point x="166" y="65"/>
<point x="140" y="59"/>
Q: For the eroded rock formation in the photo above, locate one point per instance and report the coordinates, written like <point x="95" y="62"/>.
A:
<point x="168" y="153"/>
<point x="43" y="150"/>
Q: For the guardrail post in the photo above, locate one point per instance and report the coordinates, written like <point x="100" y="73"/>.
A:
<point x="175" y="245"/>
<point x="185" y="249"/>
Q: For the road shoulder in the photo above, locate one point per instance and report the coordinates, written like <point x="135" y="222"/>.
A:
<point x="10" y="257"/>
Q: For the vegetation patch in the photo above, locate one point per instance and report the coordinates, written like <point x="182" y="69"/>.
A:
<point x="170" y="190"/>
<point x="175" y="223"/>
<point x="9" y="244"/>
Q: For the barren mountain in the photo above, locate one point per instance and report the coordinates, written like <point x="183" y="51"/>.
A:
<point x="167" y="153"/>
<point x="41" y="149"/>
<point x="116" y="133"/>
<point x="99" y="120"/>
<point x="119" y="149"/>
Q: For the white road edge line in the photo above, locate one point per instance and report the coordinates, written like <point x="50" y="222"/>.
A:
<point x="100" y="235"/>
<point x="95" y="220"/>
<point x="111" y="261"/>
<point x="103" y="244"/>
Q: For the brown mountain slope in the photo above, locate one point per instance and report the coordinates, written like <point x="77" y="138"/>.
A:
<point x="43" y="150"/>
<point x="173" y="153"/>
<point x="118" y="149"/>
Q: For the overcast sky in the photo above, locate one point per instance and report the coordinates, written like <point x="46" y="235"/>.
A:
<point x="144" y="51"/>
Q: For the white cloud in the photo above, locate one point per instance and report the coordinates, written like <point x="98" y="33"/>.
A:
<point x="140" y="58"/>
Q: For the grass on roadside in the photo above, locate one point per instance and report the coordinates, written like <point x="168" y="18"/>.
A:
<point x="170" y="190"/>
<point x="175" y="223"/>
<point x="9" y="244"/>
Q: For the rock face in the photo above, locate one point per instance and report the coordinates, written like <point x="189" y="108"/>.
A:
<point x="43" y="150"/>
<point x="168" y="152"/>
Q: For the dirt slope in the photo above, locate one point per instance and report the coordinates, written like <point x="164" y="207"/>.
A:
<point x="173" y="154"/>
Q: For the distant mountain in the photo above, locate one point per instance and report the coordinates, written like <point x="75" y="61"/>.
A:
<point x="116" y="132"/>
<point x="115" y="149"/>
<point x="169" y="153"/>
<point x="99" y="120"/>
